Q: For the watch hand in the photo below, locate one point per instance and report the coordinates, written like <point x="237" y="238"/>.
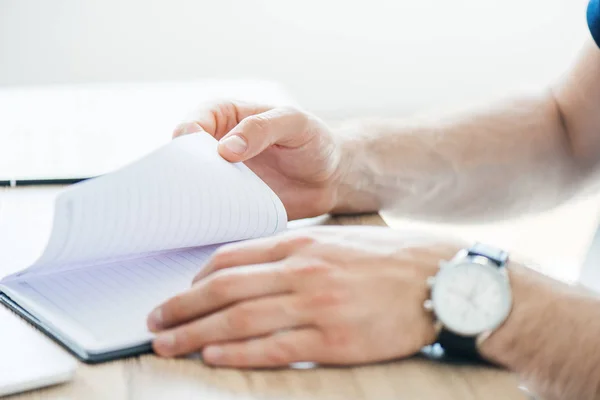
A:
<point x="484" y="292"/>
<point x="474" y="305"/>
<point x="472" y="294"/>
<point x="478" y="292"/>
<point x="464" y="314"/>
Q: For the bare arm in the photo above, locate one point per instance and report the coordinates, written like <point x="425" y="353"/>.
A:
<point x="522" y="155"/>
<point x="519" y="156"/>
<point x="551" y="338"/>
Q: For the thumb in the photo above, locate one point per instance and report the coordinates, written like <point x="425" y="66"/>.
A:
<point x="254" y="134"/>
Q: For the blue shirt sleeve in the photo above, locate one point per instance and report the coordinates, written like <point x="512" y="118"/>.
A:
<point x="593" y="19"/>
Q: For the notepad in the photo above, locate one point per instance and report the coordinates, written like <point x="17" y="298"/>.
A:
<point x="124" y="242"/>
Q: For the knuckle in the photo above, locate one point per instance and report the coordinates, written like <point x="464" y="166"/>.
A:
<point x="219" y="106"/>
<point x="184" y="341"/>
<point x="174" y="308"/>
<point x="339" y="338"/>
<point x="220" y="287"/>
<point x="220" y="256"/>
<point x="292" y="243"/>
<point x="282" y="352"/>
<point x="239" y="319"/>
<point x="298" y="114"/>
<point x="281" y="247"/>
<point x="294" y="110"/>
<point x="301" y="241"/>
<point x="307" y="123"/>
<point x="313" y="268"/>
<point x="278" y="249"/>
<point x="258" y="123"/>
<point x="329" y="299"/>
<point x="235" y="357"/>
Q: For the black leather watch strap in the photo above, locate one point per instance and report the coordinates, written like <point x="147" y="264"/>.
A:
<point x="465" y="347"/>
<point x="456" y="346"/>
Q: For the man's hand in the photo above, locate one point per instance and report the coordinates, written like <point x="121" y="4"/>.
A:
<point x="293" y="152"/>
<point x="328" y="295"/>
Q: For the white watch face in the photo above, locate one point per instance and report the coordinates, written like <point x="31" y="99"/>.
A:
<point x="471" y="298"/>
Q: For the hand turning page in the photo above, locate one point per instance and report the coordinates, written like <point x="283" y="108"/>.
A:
<point x="126" y="241"/>
<point x="182" y="195"/>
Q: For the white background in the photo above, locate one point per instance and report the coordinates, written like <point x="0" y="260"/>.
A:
<point x="336" y="57"/>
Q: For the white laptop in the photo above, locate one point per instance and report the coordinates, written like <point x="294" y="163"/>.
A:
<point x="28" y="360"/>
<point x="85" y="130"/>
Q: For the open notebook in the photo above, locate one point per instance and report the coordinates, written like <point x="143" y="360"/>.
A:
<point x="126" y="241"/>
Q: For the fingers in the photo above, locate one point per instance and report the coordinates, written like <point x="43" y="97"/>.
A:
<point x="188" y="127"/>
<point x="258" y="251"/>
<point x="218" y="291"/>
<point x="242" y="321"/>
<point x="282" y="126"/>
<point x="218" y="118"/>
<point x="277" y="350"/>
<point x="245" y="130"/>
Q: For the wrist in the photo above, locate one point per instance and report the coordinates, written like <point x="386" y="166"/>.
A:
<point x="470" y="297"/>
<point x="529" y="302"/>
<point x="354" y="191"/>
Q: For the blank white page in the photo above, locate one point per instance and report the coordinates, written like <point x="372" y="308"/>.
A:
<point x="182" y="195"/>
<point x="111" y="302"/>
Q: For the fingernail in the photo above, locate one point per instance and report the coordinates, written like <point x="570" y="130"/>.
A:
<point x="212" y="354"/>
<point x="236" y="144"/>
<point x="165" y="343"/>
<point x="187" y="127"/>
<point x="155" y="320"/>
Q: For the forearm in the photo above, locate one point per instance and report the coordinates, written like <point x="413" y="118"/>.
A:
<point x="524" y="155"/>
<point x="505" y="159"/>
<point x="551" y="338"/>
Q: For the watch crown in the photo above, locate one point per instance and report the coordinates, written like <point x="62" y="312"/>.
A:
<point x="428" y="305"/>
<point x="431" y="281"/>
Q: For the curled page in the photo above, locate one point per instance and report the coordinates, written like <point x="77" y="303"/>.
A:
<point x="182" y="195"/>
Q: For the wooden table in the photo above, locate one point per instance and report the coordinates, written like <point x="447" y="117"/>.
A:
<point x="149" y="377"/>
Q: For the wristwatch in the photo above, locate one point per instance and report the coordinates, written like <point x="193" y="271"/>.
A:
<point x="470" y="298"/>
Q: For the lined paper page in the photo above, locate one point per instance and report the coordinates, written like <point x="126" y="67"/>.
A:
<point x="112" y="301"/>
<point x="183" y="195"/>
